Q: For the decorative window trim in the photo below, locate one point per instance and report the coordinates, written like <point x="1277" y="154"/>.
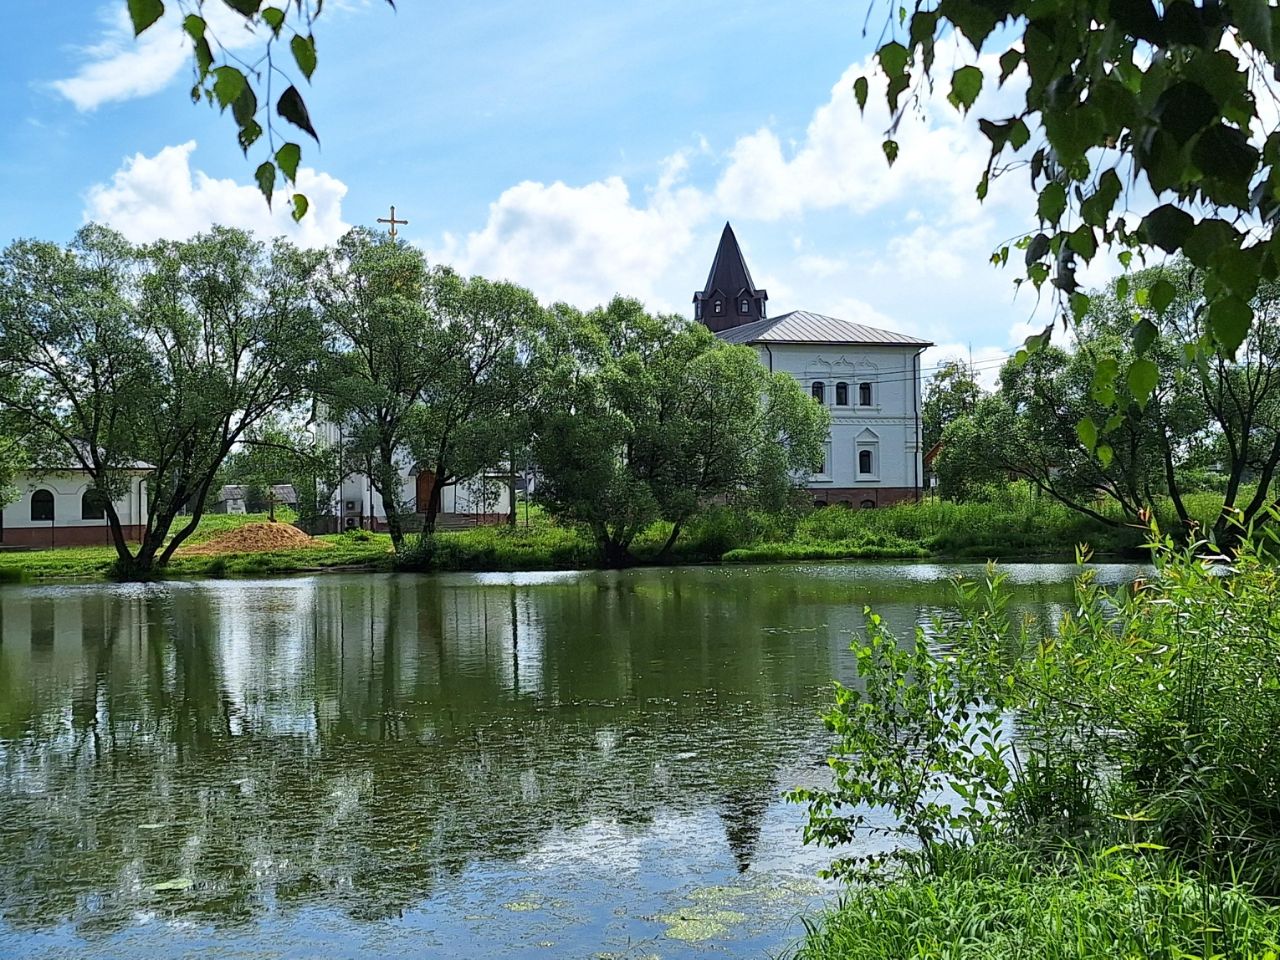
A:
<point x="842" y="391"/>
<point x="826" y="474"/>
<point x="867" y="442"/>
<point x="818" y="390"/>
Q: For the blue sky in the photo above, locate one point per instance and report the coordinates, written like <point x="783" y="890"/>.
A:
<point x="583" y="150"/>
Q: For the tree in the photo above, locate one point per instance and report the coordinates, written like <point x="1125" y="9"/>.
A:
<point x="1040" y="424"/>
<point x="382" y="355"/>
<point x="485" y="374"/>
<point x="1126" y="100"/>
<point x="115" y="357"/>
<point x="277" y="451"/>
<point x="952" y="391"/>
<point x="654" y="418"/>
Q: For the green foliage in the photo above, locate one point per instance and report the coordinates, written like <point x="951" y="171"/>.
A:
<point x="950" y="393"/>
<point x="224" y="79"/>
<point x="646" y="418"/>
<point x="116" y="358"/>
<point x="1168" y="98"/>
<point x="1008" y="905"/>
<point x="1144" y="770"/>
<point x="1125" y="416"/>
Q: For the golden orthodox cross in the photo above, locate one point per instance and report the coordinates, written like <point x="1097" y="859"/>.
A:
<point x="392" y="220"/>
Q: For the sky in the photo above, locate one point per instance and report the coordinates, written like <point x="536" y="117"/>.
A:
<point x="582" y="149"/>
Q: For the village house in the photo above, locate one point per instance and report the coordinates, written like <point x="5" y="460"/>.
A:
<point x="357" y="504"/>
<point x="62" y="509"/>
<point x="868" y="378"/>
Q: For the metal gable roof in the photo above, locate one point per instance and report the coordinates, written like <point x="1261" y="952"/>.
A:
<point x="801" y="326"/>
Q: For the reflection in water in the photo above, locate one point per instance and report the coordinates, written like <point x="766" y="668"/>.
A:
<point x="298" y="762"/>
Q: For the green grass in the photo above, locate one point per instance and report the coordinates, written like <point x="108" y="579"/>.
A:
<point x="1011" y="906"/>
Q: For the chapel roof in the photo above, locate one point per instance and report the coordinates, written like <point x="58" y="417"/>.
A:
<point x="801" y="326"/>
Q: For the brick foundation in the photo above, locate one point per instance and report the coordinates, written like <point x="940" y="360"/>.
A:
<point x="856" y="497"/>
<point x="42" y="537"/>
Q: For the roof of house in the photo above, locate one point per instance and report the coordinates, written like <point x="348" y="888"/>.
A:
<point x="284" y="493"/>
<point x="801" y="326"/>
<point x="729" y="273"/>
<point x="232" y="491"/>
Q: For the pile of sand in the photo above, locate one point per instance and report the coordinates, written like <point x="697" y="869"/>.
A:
<point x="255" y="538"/>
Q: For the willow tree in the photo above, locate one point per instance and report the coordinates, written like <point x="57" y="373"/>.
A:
<point x="652" y="418"/>
<point x="116" y="358"/>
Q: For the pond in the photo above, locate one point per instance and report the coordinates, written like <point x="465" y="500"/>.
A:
<point x="496" y="765"/>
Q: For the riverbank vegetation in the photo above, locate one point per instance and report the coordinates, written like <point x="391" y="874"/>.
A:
<point x="1011" y="525"/>
<point x="1104" y="785"/>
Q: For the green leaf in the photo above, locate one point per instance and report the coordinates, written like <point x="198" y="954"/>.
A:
<point x="266" y="177"/>
<point x="860" y="89"/>
<point x="1097" y="207"/>
<point x="143" y="13"/>
<point x="194" y="26"/>
<point x="1142" y="378"/>
<point x="292" y="108"/>
<point x="1083" y="241"/>
<point x="890" y="151"/>
<point x="1053" y="201"/>
<point x="1229" y="320"/>
<point x="893" y="58"/>
<point x="204" y="56"/>
<point x="1087" y="431"/>
<point x="304" y="52"/>
<point x="246" y="8"/>
<point x="1105" y="454"/>
<point x="1144" y="334"/>
<point x="966" y="84"/>
<point x="1253" y="20"/>
<point x="1167" y="227"/>
<point x="300" y="206"/>
<point x="245" y="107"/>
<point x="228" y="84"/>
<point x="1009" y="61"/>
<point x="287" y="158"/>
<point x="274" y="18"/>
<point x="1161" y="295"/>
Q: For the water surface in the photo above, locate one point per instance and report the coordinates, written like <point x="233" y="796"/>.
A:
<point x="495" y="765"/>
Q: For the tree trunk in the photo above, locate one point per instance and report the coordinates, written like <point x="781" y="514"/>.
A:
<point x="671" y="540"/>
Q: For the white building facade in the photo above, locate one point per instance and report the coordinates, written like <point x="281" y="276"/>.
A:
<point x="63" y="510"/>
<point x="868" y="378"/>
<point x="357" y="504"/>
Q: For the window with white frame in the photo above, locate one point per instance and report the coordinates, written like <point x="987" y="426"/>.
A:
<point x="864" y="394"/>
<point x="867" y="455"/>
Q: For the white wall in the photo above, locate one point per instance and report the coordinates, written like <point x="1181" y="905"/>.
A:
<point x="888" y="427"/>
<point x="67" y="490"/>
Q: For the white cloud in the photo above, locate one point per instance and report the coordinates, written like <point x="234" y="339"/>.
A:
<point x="583" y="244"/>
<point x="119" y="67"/>
<point x="156" y="197"/>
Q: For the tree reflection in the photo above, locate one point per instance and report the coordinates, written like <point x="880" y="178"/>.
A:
<point x="355" y="740"/>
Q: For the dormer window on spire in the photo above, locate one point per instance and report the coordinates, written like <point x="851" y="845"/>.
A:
<point x="729" y="275"/>
<point x="719" y="308"/>
<point x="744" y="306"/>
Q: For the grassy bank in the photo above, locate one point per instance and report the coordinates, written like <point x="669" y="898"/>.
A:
<point x="1009" y="907"/>
<point x="1104" y="786"/>
<point x="1013" y="526"/>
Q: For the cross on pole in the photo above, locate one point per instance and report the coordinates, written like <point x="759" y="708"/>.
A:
<point x="392" y="220"/>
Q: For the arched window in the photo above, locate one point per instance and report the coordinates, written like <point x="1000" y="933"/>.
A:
<point x="842" y="394"/>
<point x="864" y="394"/>
<point x="819" y="391"/>
<point x="744" y="306"/>
<point x="93" y="505"/>
<point x="866" y="463"/>
<point x="719" y="307"/>
<point x="868" y="504"/>
<point x="42" y="505"/>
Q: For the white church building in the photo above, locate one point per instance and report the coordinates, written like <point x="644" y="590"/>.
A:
<point x="868" y="378"/>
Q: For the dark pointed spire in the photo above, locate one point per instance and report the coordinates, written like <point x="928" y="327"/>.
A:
<point x="730" y="297"/>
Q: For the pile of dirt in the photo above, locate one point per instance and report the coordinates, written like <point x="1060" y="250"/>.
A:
<point x="254" y="538"/>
